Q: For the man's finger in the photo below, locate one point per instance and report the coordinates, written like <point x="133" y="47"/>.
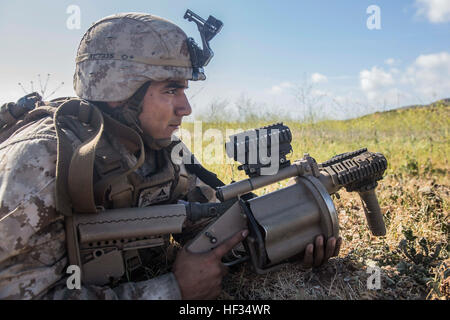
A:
<point x="318" y="251"/>
<point x="308" y="258"/>
<point x="338" y="247"/>
<point x="222" y="249"/>
<point x="330" y="248"/>
<point x="224" y="270"/>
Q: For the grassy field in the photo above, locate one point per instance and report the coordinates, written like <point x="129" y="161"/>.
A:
<point x="414" y="197"/>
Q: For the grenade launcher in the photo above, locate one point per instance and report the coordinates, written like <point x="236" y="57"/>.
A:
<point x="281" y="223"/>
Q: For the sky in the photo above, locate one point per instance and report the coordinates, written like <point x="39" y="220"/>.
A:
<point x="337" y="59"/>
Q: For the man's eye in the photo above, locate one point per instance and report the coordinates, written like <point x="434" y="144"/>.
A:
<point x="173" y="91"/>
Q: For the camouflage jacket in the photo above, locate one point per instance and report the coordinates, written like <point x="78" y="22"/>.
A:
<point x="33" y="254"/>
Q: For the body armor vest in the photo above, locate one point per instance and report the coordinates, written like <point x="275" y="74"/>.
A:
<point x="157" y="181"/>
<point x="96" y="172"/>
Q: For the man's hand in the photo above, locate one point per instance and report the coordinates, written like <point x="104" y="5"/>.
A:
<point x="200" y="276"/>
<point x="316" y="255"/>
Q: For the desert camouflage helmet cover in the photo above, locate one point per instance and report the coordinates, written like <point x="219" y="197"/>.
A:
<point x="119" y="53"/>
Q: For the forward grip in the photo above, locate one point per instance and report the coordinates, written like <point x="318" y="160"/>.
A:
<point x="373" y="212"/>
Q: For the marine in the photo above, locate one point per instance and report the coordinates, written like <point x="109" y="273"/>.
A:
<point x="105" y="149"/>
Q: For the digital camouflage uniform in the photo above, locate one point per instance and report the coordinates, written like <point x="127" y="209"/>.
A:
<point x="33" y="254"/>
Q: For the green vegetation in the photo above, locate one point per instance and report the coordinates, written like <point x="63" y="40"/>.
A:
<point x="414" y="197"/>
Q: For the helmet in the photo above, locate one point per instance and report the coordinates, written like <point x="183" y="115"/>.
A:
<point x="122" y="52"/>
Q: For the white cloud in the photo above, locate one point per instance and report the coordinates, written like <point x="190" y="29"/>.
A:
<point x="427" y="77"/>
<point x="317" y="77"/>
<point x="429" y="74"/>
<point x="433" y="61"/>
<point x="422" y="80"/>
<point x="375" y="80"/>
<point x="278" y="89"/>
<point x="436" y="11"/>
<point x="390" y="61"/>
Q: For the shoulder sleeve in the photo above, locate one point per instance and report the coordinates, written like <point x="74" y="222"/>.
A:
<point x="33" y="256"/>
<point x="32" y="241"/>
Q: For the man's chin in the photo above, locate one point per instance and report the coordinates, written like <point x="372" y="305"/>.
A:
<point x="172" y="130"/>
<point x="159" y="143"/>
<point x="167" y="136"/>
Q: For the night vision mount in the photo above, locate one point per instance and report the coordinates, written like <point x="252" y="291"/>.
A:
<point x="208" y="30"/>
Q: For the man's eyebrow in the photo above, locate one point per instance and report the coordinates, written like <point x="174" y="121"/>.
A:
<point x="175" y="85"/>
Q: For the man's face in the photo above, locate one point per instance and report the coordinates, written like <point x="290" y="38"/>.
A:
<point x="165" y="105"/>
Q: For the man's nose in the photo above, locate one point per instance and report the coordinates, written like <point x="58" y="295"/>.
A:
<point x="183" y="107"/>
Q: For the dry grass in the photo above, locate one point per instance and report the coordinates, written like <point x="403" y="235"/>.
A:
<point x="414" y="197"/>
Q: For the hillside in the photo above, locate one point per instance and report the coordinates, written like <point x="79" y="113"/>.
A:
<point x="436" y="103"/>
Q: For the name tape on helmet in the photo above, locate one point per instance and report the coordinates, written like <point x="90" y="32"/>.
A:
<point x="133" y="58"/>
